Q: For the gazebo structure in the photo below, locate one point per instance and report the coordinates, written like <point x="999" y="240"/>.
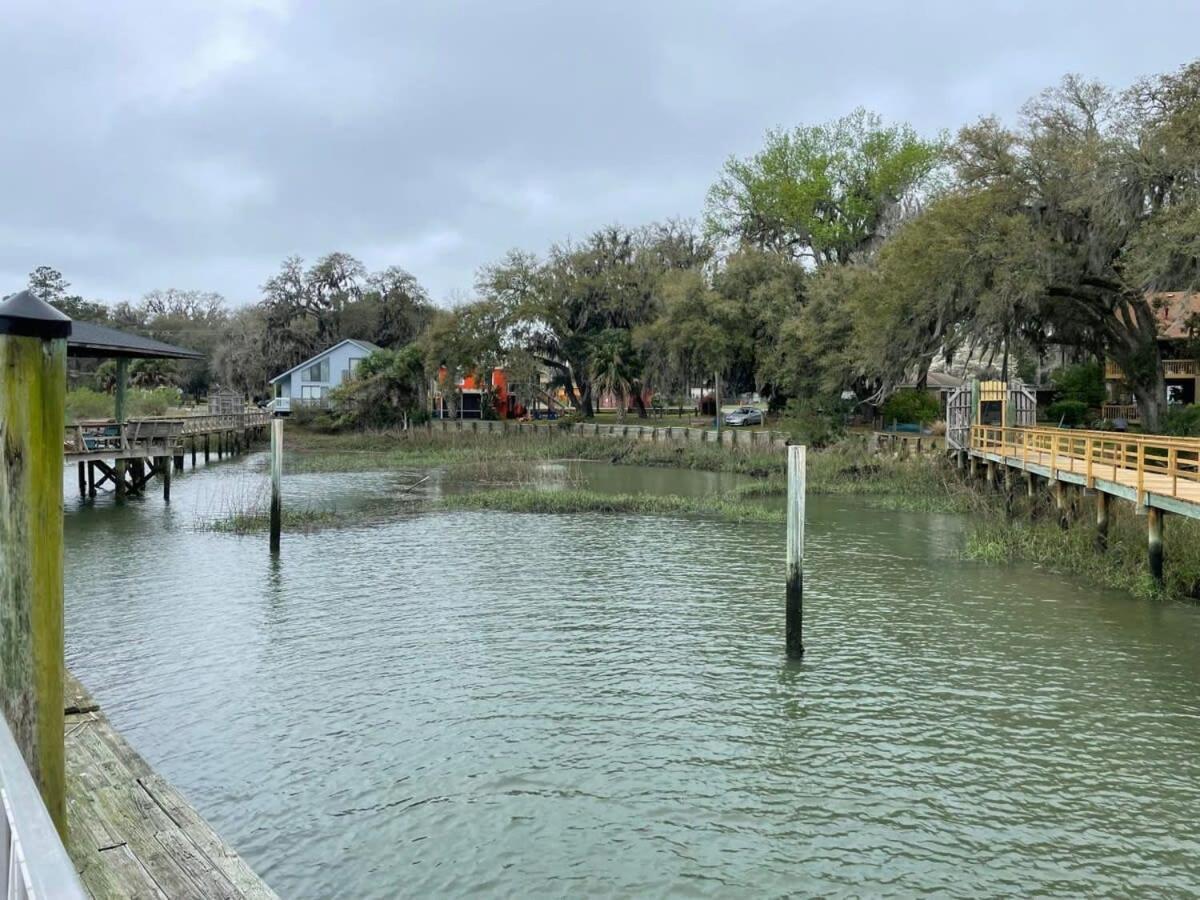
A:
<point x="137" y="449"/>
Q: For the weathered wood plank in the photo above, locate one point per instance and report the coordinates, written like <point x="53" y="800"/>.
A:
<point x="132" y="833"/>
<point x="206" y="839"/>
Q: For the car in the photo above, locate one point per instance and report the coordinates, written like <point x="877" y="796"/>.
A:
<point x="744" y="415"/>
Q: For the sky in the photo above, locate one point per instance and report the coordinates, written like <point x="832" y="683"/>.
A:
<point x="195" y="145"/>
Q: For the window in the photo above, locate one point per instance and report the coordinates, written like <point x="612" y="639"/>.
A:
<point x="354" y="361"/>
<point x="318" y="371"/>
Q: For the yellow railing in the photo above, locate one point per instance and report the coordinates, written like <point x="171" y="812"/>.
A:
<point x="1148" y="463"/>
<point x="1173" y="368"/>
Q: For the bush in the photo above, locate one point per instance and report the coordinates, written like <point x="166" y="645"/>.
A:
<point x="152" y="403"/>
<point x="313" y="418"/>
<point x="1067" y="412"/>
<point x="84" y="403"/>
<point x="810" y="422"/>
<point x="911" y="406"/>
<point x="1183" y="421"/>
<point x="1083" y="383"/>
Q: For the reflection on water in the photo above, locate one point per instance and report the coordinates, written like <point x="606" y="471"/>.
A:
<point x="528" y="705"/>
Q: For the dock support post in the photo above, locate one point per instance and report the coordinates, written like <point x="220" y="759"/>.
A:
<point x="206" y="437"/>
<point x="192" y="442"/>
<point x="1101" y="521"/>
<point x="81" y="467"/>
<point x="164" y="464"/>
<point x="91" y="477"/>
<point x="1154" y="523"/>
<point x="992" y="481"/>
<point x="33" y="389"/>
<point x="122" y="387"/>
<point x="794" y="617"/>
<point x="178" y="463"/>
<point x="220" y="445"/>
<point x="276" y="482"/>
<point x="1030" y="484"/>
<point x="1060" y="503"/>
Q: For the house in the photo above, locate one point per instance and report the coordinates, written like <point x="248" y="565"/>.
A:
<point x="467" y="399"/>
<point x="309" y="383"/>
<point x="1178" y="315"/>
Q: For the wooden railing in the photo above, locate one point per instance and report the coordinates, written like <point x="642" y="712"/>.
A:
<point x="159" y="436"/>
<point x="1172" y="368"/>
<point x="1148" y="463"/>
<point x="1127" y="411"/>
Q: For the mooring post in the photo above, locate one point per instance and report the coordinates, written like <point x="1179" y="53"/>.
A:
<point x="276" y="482"/>
<point x="1101" y="521"/>
<point x="794" y="618"/>
<point x="1154" y="523"/>
<point x="33" y="390"/>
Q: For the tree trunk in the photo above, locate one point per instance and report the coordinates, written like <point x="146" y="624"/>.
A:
<point x="1151" y="397"/>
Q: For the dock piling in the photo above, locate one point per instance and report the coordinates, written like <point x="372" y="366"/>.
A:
<point x="276" y="482"/>
<point x="1154" y="527"/>
<point x="795" y="551"/>
<point x="1101" y="521"/>
<point x="33" y="389"/>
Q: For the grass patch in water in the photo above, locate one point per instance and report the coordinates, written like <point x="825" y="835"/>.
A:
<point x="580" y="501"/>
<point x="1032" y="535"/>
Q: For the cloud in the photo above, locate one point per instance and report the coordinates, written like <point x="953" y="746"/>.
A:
<point x="197" y="144"/>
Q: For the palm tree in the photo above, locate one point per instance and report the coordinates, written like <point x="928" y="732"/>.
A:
<point x="614" y="366"/>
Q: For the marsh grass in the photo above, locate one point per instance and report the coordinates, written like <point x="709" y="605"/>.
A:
<point x="1031" y="534"/>
<point x="581" y="501"/>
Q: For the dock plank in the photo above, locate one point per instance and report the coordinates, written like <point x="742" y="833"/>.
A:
<point x="131" y="833"/>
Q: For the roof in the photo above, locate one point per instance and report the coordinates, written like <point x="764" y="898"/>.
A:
<point x="938" y="381"/>
<point x="92" y="340"/>
<point x="365" y="345"/>
<point x="1174" y="310"/>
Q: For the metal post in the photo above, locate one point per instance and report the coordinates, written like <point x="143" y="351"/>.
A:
<point x="276" y="479"/>
<point x="1101" y="521"/>
<point x="1154" y="522"/>
<point x="33" y="390"/>
<point x="795" y="552"/>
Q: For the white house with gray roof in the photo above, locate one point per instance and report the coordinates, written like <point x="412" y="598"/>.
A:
<point x="310" y="382"/>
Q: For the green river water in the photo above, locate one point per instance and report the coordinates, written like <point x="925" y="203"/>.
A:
<point x="498" y="704"/>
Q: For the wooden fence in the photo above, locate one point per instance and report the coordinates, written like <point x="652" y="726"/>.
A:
<point x="653" y="433"/>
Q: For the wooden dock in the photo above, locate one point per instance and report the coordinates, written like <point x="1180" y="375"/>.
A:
<point x="1151" y="471"/>
<point x="128" y="454"/>
<point x="130" y="833"/>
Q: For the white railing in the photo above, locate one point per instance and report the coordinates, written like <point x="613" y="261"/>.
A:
<point x="33" y="862"/>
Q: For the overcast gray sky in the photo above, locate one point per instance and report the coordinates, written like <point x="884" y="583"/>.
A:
<point x="153" y="144"/>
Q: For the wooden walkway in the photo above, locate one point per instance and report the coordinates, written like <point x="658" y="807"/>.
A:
<point x="1150" y="471"/>
<point x="131" y="834"/>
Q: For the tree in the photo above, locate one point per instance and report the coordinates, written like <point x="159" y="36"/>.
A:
<point x="1109" y="187"/>
<point x="615" y="367"/>
<point x="49" y="285"/>
<point x="556" y="309"/>
<point x="825" y="193"/>
<point x="387" y="389"/>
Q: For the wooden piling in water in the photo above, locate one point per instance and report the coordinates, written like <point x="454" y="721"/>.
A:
<point x="1101" y="521"/>
<point x="192" y="447"/>
<point x="1060" y="503"/>
<point x="164" y="464"/>
<point x="1154" y="527"/>
<point x="276" y="482"/>
<point x="33" y="389"/>
<point x="81" y="467"/>
<point x="794" y="614"/>
<point x="206" y="437"/>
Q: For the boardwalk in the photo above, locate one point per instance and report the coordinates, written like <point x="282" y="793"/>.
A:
<point x="1151" y="471"/>
<point x="131" y="834"/>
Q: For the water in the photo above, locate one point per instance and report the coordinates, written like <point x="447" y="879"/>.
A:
<point x="498" y="704"/>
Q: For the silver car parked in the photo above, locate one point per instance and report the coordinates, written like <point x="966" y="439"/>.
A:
<point x="744" y="415"/>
